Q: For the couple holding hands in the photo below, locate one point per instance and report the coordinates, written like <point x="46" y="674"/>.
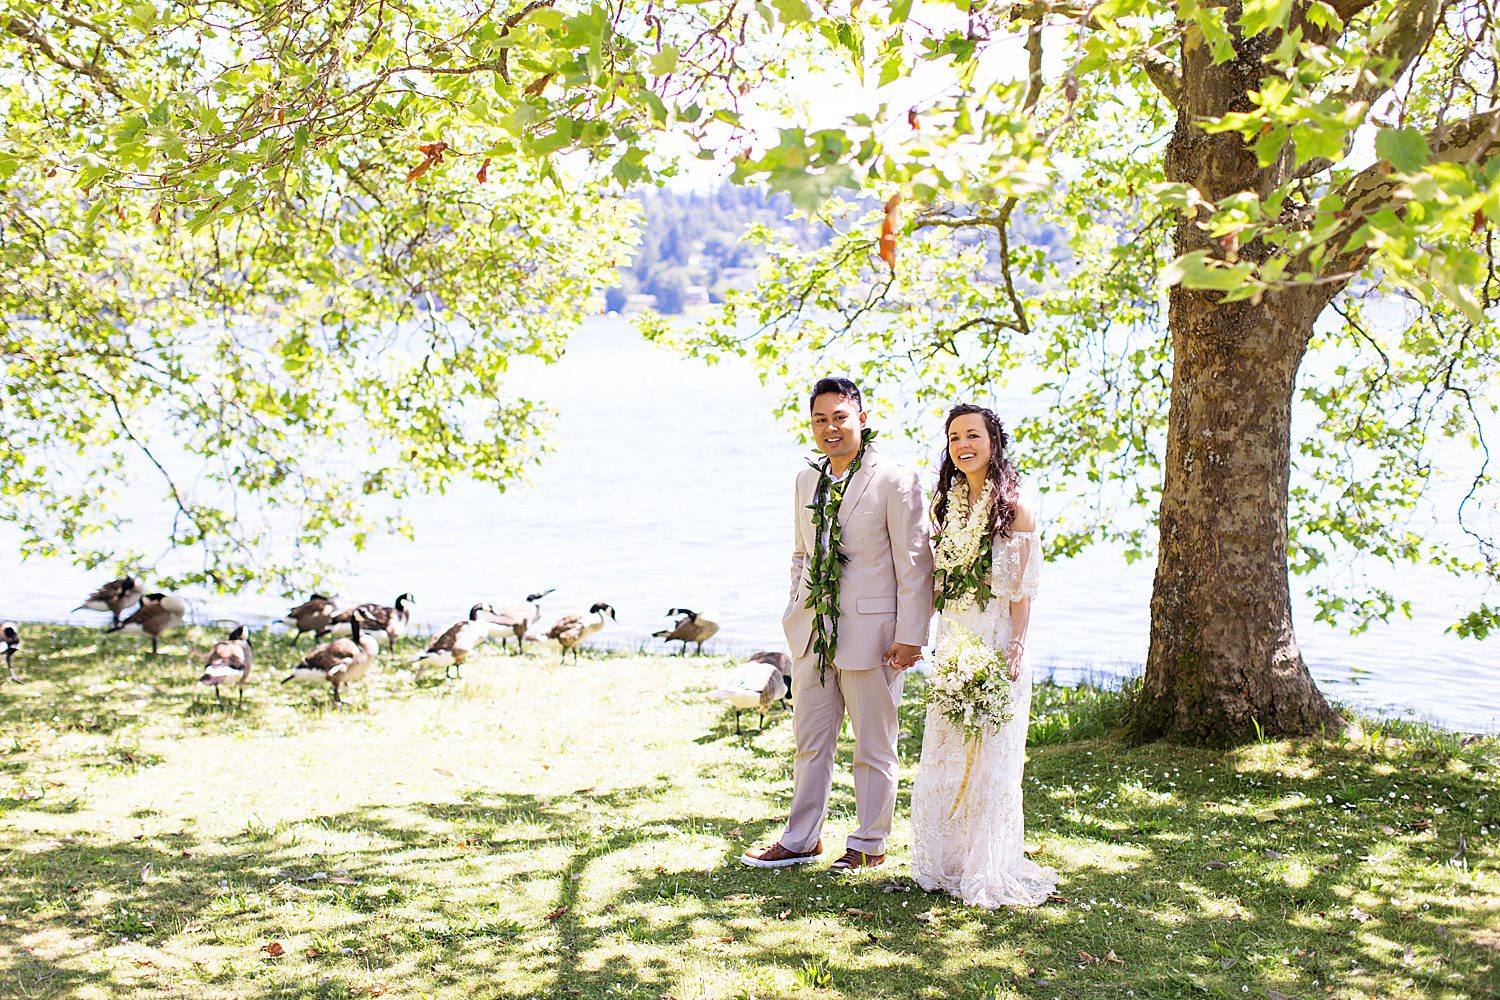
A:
<point x="871" y="562"/>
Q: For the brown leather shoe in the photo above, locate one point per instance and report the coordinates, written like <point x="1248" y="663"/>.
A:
<point x="855" y="858"/>
<point x="777" y="856"/>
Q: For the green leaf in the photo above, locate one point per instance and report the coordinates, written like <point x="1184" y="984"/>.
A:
<point x="792" y="11"/>
<point x="665" y="61"/>
<point x="1200" y="269"/>
<point x="1265" y="15"/>
<point x="1405" y="149"/>
<point x="143" y="16"/>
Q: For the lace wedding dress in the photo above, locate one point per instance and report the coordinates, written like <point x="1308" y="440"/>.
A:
<point x="968" y="833"/>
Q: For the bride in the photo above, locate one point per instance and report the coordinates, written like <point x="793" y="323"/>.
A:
<point x="968" y="832"/>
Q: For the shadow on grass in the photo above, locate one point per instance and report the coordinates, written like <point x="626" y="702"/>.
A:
<point x="1294" y="867"/>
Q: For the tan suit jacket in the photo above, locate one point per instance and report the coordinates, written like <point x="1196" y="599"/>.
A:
<point x="885" y="589"/>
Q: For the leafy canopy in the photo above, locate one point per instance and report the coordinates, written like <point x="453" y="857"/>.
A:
<point x="272" y="261"/>
<point x="1040" y="210"/>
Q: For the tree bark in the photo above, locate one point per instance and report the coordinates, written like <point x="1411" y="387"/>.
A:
<point x="1223" y="656"/>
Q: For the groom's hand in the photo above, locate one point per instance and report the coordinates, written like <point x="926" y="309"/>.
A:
<point x="901" y="655"/>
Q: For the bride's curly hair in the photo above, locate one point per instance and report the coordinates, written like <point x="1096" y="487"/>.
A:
<point x="1001" y="472"/>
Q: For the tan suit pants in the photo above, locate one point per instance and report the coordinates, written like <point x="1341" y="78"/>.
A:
<point x="871" y="698"/>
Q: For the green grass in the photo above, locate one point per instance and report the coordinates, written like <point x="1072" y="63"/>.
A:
<point x="537" y="830"/>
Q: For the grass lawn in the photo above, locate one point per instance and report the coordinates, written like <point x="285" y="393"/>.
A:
<point x="572" y="831"/>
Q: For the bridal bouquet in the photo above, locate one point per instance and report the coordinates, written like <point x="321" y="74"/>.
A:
<point x="969" y="681"/>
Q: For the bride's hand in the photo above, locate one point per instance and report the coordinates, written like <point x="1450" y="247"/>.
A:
<point x="1014" y="650"/>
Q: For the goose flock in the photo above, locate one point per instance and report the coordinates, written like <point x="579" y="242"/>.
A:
<point x="348" y="640"/>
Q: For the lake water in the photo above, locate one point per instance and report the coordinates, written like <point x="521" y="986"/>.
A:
<point x="670" y="486"/>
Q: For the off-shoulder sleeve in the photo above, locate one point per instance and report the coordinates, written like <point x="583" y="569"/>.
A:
<point x="1018" y="565"/>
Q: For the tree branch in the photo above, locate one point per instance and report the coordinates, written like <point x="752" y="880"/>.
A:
<point x="1471" y="141"/>
<point x="1166" y="77"/>
<point x="1350" y="8"/>
<point x="1412" y="24"/>
<point x="1160" y="70"/>
<point x="29" y="33"/>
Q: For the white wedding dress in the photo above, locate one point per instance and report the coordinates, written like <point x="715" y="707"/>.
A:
<point x="968" y="835"/>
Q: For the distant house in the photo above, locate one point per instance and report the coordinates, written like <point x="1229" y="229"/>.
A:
<point x="742" y="278"/>
<point x="695" y="295"/>
<point x="638" y="302"/>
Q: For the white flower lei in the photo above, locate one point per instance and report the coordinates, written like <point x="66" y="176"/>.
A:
<point x="962" y="536"/>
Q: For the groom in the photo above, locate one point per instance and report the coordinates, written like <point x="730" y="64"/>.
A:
<point x="862" y="557"/>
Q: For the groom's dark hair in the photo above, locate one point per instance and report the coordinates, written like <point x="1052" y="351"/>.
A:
<point x="840" y="387"/>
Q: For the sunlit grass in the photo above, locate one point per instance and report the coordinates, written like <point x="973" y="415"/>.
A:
<point x="537" y="829"/>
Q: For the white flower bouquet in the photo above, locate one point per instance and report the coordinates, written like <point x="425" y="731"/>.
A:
<point x="969" y="681"/>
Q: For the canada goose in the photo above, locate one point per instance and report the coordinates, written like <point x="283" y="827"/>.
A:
<point x="571" y="630"/>
<point x="761" y="682"/>
<point x="10" y="644"/>
<point x="338" y="662"/>
<point x="691" y="627"/>
<point x="114" y="597"/>
<point x="453" y="647"/>
<point x="230" y="661"/>
<point x="391" y="621"/>
<point x="314" y="615"/>
<point x="157" y="613"/>
<point x="515" y="619"/>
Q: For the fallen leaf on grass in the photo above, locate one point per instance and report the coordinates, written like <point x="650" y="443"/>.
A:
<point x="930" y="917"/>
<point x="273" y="949"/>
<point x="736" y="832"/>
<point x="444" y="772"/>
<point x="783" y="914"/>
<point x="313" y="953"/>
<point x="892" y="887"/>
<point x="1356" y="914"/>
<point x="1110" y="956"/>
<point x="1216" y="865"/>
<point x="855" y="911"/>
<point x="1084" y="958"/>
<point x="556" y="913"/>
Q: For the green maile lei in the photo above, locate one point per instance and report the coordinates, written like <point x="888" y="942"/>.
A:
<point x="828" y="560"/>
<point x="965" y="551"/>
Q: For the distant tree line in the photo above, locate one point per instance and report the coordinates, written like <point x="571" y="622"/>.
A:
<point x="691" y="249"/>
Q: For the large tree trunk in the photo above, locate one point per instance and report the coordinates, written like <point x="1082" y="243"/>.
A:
<point x="1223" y="657"/>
